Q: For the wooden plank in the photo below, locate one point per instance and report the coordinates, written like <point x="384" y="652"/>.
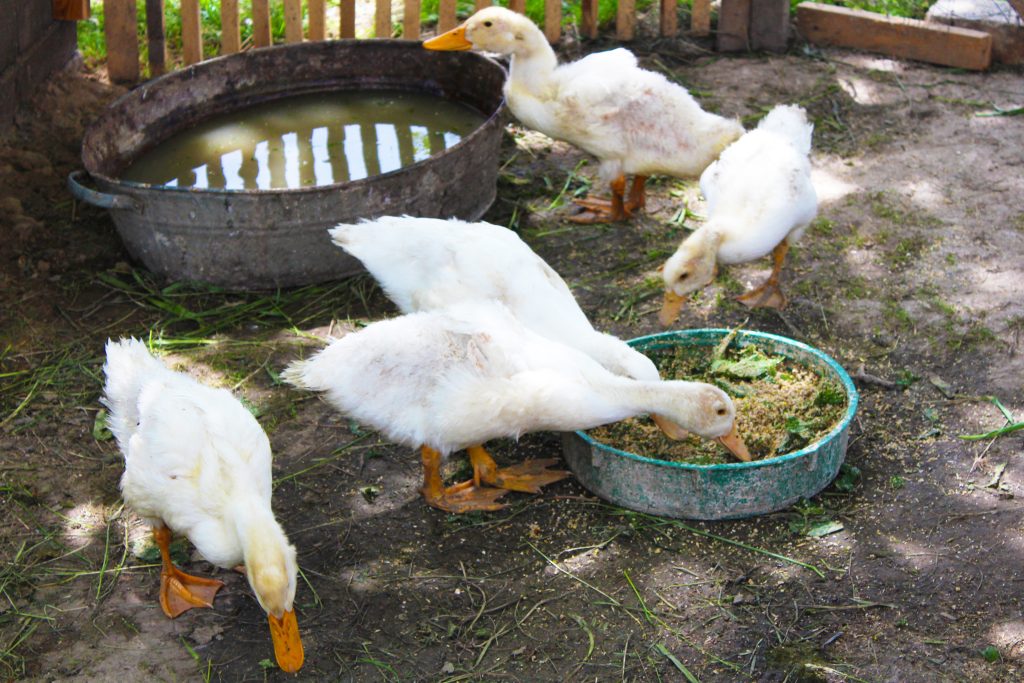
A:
<point x="769" y="25"/>
<point x="411" y="19"/>
<point x="590" y="18"/>
<point x="895" y="36"/>
<point x="625" y="20"/>
<point x="230" y="36"/>
<point x="317" y="19"/>
<point x="733" y="26"/>
<point x="293" y="21"/>
<point x="348" y="18"/>
<point x="552" y="20"/>
<point x="700" y="18"/>
<point x="261" y="23"/>
<point x="119" y="29"/>
<point x="480" y="4"/>
<point x="382" y="19"/>
<point x="517" y="6"/>
<point x="446" y="20"/>
<point x="156" y="38"/>
<point x="191" y="32"/>
<point x="669" y="20"/>
<point x="70" y="10"/>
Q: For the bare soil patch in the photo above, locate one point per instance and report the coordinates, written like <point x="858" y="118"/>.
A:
<point x="911" y="278"/>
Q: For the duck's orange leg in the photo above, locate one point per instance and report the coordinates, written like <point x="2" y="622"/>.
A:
<point x="637" y="200"/>
<point x="528" y="476"/>
<point x="464" y="497"/>
<point x="602" y="210"/>
<point x="180" y="592"/>
<point x="769" y="295"/>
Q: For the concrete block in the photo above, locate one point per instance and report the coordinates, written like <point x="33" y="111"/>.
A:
<point x="995" y="17"/>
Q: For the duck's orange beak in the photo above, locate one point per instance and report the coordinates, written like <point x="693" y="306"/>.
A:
<point x="287" y="645"/>
<point x="670" y="308"/>
<point x="449" y="40"/>
<point x="671" y="429"/>
<point x="735" y="444"/>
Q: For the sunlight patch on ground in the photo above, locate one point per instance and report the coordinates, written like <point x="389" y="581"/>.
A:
<point x="924" y="192"/>
<point x="829" y="185"/>
<point x="862" y="90"/>
<point x="1008" y="636"/>
<point x="83" y="523"/>
<point x="916" y="555"/>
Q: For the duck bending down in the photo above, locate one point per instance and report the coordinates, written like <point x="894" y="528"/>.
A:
<point x="760" y="200"/>
<point x="636" y="122"/>
<point x="197" y="463"/>
<point x="455" y="378"/>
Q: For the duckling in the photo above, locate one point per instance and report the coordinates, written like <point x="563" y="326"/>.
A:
<point x="197" y="463"/>
<point x="634" y="121"/>
<point x="457" y="377"/>
<point x="760" y="200"/>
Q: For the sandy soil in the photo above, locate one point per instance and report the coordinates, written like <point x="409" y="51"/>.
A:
<point x="910" y="279"/>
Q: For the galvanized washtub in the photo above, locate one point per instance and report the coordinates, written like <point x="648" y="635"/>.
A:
<point x="727" y="491"/>
<point x="260" y="239"/>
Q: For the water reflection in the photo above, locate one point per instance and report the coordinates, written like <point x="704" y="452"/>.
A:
<point x="307" y="141"/>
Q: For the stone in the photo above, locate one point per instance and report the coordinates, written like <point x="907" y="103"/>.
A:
<point x="995" y="17"/>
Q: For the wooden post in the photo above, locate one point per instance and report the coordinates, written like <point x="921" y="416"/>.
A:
<point x="156" y="38"/>
<point x="1018" y="6"/>
<point x="700" y="18"/>
<point x="411" y="20"/>
<point x="446" y="19"/>
<point x="230" y="36"/>
<point x="382" y="19"/>
<point x="261" y="23"/>
<point x="590" y="18"/>
<point x="70" y="10"/>
<point x="120" y="31"/>
<point x="625" y="20"/>
<point x="518" y="6"/>
<point x="769" y="25"/>
<point x="191" y="32"/>
<point x="733" y="26"/>
<point x="552" y="20"/>
<point x="669" y="20"/>
<point x="317" y="15"/>
<point x="348" y="18"/>
<point x="480" y="4"/>
<point x="293" y="21"/>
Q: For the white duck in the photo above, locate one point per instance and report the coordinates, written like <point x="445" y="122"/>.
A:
<point x="760" y="200"/>
<point x="633" y="120"/>
<point x="457" y="377"/>
<point x="197" y="463"/>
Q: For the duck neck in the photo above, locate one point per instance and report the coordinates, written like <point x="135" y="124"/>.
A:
<point x="532" y="65"/>
<point x="669" y="398"/>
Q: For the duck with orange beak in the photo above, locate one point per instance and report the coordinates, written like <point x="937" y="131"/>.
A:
<point x="198" y="463"/>
<point x="636" y="122"/>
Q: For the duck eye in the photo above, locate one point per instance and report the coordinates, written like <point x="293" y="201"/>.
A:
<point x="487" y="24"/>
<point x="721" y="411"/>
<point x="684" y="275"/>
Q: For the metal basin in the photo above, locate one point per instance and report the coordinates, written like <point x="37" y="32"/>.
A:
<point x="728" y="491"/>
<point x="261" y="239"/>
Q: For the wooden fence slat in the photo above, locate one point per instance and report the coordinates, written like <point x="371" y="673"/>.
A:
<point x="411" y="20"/>
<point x="119" y="29"/>
<point x="348" y="18"/>
<point x="446" y="19"/>
<point x="70" y="10"/>
<point x="590" y="18"/>
<point x="894" y="36"/>
<point x="191" y="32"/>
<point x="669" y="20"/>
<point x="293" y="21"/>
<point x="700" y="18"/>
<point x="733" y="26"/>
<point x="317" y="19"/>
<point x="552" y="20"/>
<point x="230" y="37"/>
<point x="517" y="6"/>
<point x="156" y="38"/>
<point x="382" y="19"/>
<point x="480" y="4"/>
<point x="625" y="20"/>
<point x="261" y="23"/>
<point x="769" y="25"/>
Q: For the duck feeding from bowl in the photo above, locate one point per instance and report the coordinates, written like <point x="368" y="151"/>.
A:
<point x="798" y="441"/>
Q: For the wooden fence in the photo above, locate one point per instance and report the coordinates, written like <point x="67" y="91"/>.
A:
<point x="123" y="46"/>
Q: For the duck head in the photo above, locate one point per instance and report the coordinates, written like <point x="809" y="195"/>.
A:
<point x="271" y="568"/>
<point x="492" y="29"/>
<point x="692" y="267"/>
<point x="708" y="412"/>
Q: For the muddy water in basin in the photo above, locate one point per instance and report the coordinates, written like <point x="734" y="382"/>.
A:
<point x="307" y="141"/>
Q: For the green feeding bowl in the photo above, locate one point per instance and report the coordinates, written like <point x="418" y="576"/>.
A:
<point x="728" y="491"/>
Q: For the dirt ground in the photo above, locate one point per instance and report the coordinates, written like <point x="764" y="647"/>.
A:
<point x="909" y="279"/>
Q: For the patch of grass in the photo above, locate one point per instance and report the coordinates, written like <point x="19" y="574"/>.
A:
<point x="896" y="316"/>
<point x="912" y="9"/>
<point x="906" y="251"/>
